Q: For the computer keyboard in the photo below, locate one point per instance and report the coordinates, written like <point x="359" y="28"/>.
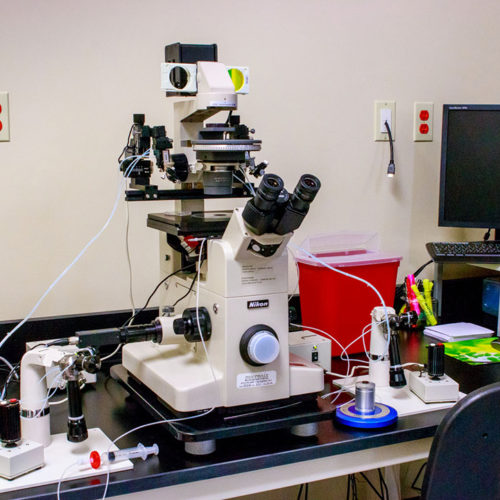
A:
<point x="484" y="252"/>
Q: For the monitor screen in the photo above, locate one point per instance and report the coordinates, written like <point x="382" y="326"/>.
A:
<point x="470" y="166"/>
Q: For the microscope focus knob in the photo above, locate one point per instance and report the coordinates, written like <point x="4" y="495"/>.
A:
<point x="259" y="345"/>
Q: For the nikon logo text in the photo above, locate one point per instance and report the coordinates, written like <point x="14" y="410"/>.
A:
<point x="257" y="304"/>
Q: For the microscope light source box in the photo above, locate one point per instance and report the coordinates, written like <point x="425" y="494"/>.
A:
<point x="337" y="304"/>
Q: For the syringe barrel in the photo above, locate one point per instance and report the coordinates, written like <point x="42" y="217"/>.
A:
<point x="139" y="451"/>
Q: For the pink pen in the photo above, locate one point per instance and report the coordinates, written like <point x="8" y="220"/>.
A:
<point x="414" y="306"/>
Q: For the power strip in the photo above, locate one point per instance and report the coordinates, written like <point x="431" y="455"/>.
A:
<point x="433" y="390"/>
<point x="20" y="459"/>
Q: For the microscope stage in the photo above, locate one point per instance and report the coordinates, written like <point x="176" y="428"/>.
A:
<point x="225" y="422"/>
<point x="198" y="224"/>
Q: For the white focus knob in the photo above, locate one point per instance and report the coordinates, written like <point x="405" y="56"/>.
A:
<point x="263" y="348"/>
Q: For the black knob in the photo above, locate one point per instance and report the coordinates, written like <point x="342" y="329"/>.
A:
<point x="435" y="360"/>
<point x="77" y="427"/>
<point x="10" y="422"/>
<point x="181" y="166"/>
<point x="188" y="324"/>
<point x="179" y="326"/>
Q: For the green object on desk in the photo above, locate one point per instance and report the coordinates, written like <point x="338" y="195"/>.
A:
<point x="474" y="352"/>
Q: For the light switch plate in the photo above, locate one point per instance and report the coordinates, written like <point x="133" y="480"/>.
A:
<point x="384" y="110"/>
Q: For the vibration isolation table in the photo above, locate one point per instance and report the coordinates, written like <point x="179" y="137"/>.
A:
<point x="247" y="464"/>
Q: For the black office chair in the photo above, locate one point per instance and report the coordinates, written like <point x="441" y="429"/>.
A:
<point x="464" y="461"/>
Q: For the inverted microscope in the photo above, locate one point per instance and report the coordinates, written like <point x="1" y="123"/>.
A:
<point x="220" y="341"/>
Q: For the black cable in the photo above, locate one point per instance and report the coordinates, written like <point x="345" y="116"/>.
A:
<point x="422" y="267"/>
<point x="155" y="290"/>
<point x="381" y="496"/>
<point x="391" y="168"/>
<point x="383" y="484"/>
<point x="190" y="287"/>
<point x="128" y="139"/>
<point x="414" y="484"/>
<point x="400" y="288"/>
<point x="229" y="118"/>
<point x="307" y="492"/>
<point x="487" y="234"/>
<point x="300" y="491"/>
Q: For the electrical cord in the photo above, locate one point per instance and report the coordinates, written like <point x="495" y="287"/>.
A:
<point x="128" y="140"/>
<point x="190" y="287"/>
<point x="348" y="275"/>
<point x="414" y="483"/>
<point x="155" y="290"/>
<point x="380" y="493"/>
<point x="391" y="168"/>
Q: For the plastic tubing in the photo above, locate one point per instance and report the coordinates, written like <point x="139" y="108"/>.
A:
<point x="84" y="249"/>
<point x="367" y="283"/>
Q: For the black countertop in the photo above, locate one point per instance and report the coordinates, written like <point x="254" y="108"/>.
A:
<point x="108" y="406"/>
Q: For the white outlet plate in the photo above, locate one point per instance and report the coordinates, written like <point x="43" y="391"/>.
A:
<point x="384" y="110"/>
<point x="4" y="117"/>
<point x="419" y="121"/>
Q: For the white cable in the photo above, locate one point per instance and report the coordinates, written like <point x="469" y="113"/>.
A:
<point x="61" y="478"/>
<point x="9" y="365"/>
<point x="350" y="375"/>
<point x="298" y="279"/>
<point x="357" y="278"/>
<point x="54" y="403"/>
<point x="84" y="249"/>
<point x="55" y="386"/>
<point x="150" y="424"/>
<point x="250" y="187"/>
<point x="116" y="350"/>
<point x="331" y="337"/>
<point x="169" y="421"/>
<point x="198" y="316"/>
<point x="420" y="365"/>
<point x="127" y="249"/>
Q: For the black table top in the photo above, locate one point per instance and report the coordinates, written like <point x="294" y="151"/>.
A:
<point x="108" y="406"/>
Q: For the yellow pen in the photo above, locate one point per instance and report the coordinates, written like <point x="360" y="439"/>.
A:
<point x="428" y="292"/>
<point x="423" y="304"/>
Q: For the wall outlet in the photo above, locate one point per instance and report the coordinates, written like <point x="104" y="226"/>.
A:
<point x="384" y="110"/>
<point x="423" y="121"/>
<point x="4" y="117"/>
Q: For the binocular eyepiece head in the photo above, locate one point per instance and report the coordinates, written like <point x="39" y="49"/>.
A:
<point x="268" y="212"/>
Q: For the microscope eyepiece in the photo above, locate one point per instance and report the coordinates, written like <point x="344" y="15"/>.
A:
<point x="273" y="210"/>
<point x="268" y="191"/>
<point x="307" y="187"/>
<point x="260" y="211"/>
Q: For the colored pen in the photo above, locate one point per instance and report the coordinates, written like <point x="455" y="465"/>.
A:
<point x="428" y="312"/>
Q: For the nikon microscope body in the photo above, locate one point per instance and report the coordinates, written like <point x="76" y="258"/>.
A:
<point x="241" y="297"/>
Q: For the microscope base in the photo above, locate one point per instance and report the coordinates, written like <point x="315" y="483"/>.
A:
<point x="300" y="414"/>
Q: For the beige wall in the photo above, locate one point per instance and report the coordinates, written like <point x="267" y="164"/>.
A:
<point x="76" y="71"/>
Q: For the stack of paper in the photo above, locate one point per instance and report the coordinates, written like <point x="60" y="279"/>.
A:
<point x="454" y="332"/>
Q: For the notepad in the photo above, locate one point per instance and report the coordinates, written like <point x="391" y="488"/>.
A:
<point x="455" y="332"/>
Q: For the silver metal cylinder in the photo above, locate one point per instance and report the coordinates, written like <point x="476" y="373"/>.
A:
<point x="365" y="396"/>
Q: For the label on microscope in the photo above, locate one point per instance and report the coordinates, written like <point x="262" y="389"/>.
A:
<point x="252" y="274"/>
<point x="257" y="379"/>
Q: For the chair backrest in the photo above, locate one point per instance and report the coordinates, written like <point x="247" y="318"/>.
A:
<point x="464" y="461"/>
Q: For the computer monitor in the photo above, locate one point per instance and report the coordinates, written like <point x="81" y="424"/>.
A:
<point x="470" y="166"/>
